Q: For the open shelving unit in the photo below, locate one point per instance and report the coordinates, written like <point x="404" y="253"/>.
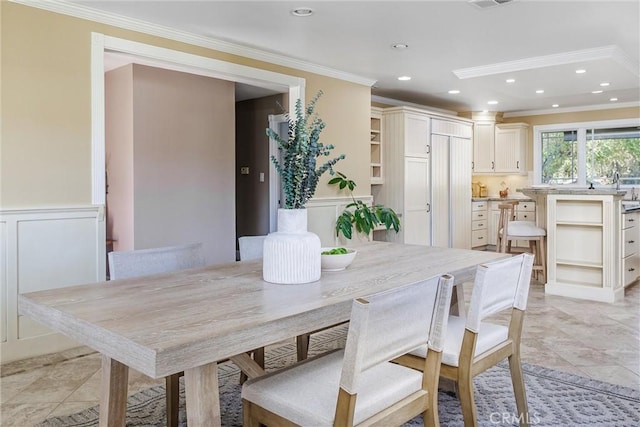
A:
<point x="582" y="247"/>
<point x="376" y="169"/>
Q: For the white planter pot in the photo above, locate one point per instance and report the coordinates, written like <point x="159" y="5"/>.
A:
<point x="291" y="254"/>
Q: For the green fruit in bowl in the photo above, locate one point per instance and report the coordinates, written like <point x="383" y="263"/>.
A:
<point x="335" y="251"/>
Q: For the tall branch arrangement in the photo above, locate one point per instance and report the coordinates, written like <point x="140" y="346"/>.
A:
<point x="299" y="154"/>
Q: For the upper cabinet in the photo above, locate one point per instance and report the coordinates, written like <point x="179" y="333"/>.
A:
<point x="376" y="169"/>
<point x="500" y="148"/>
<point x="511" y="148"/>
<point x="483" y="147"/>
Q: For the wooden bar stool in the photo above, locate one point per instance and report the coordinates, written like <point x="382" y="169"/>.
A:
<point x="509" y="230"/>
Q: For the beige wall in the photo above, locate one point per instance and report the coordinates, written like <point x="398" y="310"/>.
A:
<point x="46" y="107"/>
<point x="182" y="155"/>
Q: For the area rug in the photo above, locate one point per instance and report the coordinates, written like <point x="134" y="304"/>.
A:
<point x="555" y="398"/>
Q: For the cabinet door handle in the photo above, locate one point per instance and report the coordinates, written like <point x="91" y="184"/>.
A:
<point x="480" y="238"/>
<point x="480" y="216"/>
<point x="631" y="241"/>
<point x="493" y="164"/>
<point x="631" y="219"/>
<point x="632" y="269"/>
<point x="518" y="164"/>
<point x="473" y="165"/>
<point x="428" y="207"/>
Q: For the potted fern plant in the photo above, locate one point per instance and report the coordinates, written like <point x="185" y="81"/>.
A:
<point x="359" y="215"/>
<point x="292" y="254"/>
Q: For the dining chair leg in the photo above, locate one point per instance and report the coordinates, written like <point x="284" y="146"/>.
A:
<point x="517" y="379"/>
<point x="302" y="346"/>
<point x="172" y="383"/>
<point x="543" y="256"/>
<point x="465" y="395"/>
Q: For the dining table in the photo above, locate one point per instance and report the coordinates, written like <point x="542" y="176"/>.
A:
<point x="189" y="320"/>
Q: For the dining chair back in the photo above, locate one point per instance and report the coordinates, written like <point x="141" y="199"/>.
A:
<point x="473" y="345"/>
<point x="145" y="262"/>
<point x="360" y="384"/>
<point x="251" y="247"/>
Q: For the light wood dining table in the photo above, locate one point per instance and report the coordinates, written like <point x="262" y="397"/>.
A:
<point x="188" y="320"/>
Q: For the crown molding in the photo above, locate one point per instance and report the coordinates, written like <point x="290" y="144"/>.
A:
<point x="606" y="52"/>
<point x="84" y="12"/>
<point x="612" y="106"/>
<point x="399" y="103"/>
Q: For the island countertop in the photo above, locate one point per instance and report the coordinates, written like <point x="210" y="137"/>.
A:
<point x="543" y="191"/>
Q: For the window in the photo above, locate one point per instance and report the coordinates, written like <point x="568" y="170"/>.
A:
<point x="579" y="154"/>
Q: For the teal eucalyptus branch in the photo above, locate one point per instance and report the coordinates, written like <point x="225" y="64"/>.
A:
<point x="298" y="164"/>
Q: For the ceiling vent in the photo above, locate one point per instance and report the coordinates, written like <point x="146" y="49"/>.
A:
<point x="485" y="4"/>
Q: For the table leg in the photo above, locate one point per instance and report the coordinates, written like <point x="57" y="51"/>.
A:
<point x="202" y="396"/>
<point x="113" y="396"/>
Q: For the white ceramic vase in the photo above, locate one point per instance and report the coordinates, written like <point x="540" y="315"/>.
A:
<point x="291" y="254"/>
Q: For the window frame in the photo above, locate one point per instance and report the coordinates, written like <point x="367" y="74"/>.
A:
<point x="581" y="131"/>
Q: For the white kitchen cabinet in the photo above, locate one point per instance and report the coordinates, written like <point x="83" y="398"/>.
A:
<point x="510" y="148"/>
<point x="500" y="148"/>
<point x="630" y="247"/>
<point x="451" y="156"/>
<point x="407" y="187"/>
<point x="427" y="164"/>
<point x="483" y="147"/>
<point x="479" y="224"/>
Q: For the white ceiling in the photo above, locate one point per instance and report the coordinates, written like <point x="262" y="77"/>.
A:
<point x="452" y="45"/>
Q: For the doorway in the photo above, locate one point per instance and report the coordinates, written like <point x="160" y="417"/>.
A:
<point x="105" y="48"/>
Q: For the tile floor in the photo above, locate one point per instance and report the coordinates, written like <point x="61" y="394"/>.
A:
<point x="591" y="339"/>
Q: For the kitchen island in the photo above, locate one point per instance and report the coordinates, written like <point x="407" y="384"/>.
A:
<point x="584" y="241"/>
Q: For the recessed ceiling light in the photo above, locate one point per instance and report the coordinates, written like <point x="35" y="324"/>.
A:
<point x="540" y="91"/>
<point x="302" y="11"/>
<point x="492" y="102"/>
<point x="596" y="91"/>
<point x="399" y="46"/>
<point x="581" y="71"/>
<point x="613" y="99"/>
<point x="511" y="80"/>
<point x="404" y="78"/>
<point x="555" y="105"/>
<point x="604" y="84"/>
<point x="454" y="91"/>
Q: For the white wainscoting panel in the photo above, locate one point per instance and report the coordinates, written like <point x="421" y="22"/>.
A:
<point x="45" y="249"/>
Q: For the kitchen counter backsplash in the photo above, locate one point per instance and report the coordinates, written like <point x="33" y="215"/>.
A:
<point x="494" y="184"/>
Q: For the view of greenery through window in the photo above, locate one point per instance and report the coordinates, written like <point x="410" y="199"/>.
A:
<point x="560" y="157"/>
<point x="607" y="151"/>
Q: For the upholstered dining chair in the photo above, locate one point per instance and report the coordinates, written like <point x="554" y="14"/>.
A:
<point x="144" y="262"/>
<point x="509" y="230"/>
<point x="359" y="385"/>
<point x="251" y="247"/>
<point x="472" y="345"/>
